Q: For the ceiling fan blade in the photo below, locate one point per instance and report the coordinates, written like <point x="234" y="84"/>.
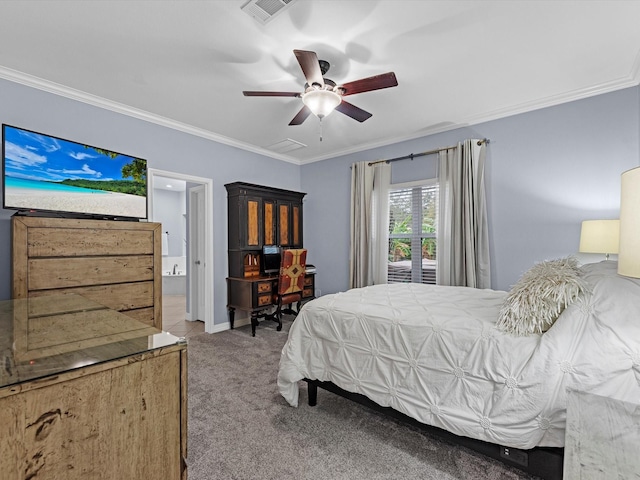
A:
<point x="310" y="66"/>
<point x="301" y="116"/>
<point x="376" y="82"/>
<point x="271" y="94"/>
<point x="354" y="112"/>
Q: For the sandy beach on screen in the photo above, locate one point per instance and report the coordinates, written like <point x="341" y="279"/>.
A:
<point x="98" y="203"/>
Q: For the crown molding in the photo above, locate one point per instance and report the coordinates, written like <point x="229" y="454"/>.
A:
<point x="551" y="101"/>
<point x="90" y="99"/>
<point x="45" y="85"/>
<point x="554" y="100"/>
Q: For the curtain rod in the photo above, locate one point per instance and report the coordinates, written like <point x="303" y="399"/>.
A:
<point x="422" y="154"/>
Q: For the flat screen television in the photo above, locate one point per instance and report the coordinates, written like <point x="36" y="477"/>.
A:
<point x="270" y="259"/>
<point x="42" y="173"/>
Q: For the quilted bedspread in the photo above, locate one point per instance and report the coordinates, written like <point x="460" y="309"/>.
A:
<point x="434" y="353"/>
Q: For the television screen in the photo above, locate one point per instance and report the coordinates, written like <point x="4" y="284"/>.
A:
<point x="48" y="174"/>
<point x="270" y="259"/>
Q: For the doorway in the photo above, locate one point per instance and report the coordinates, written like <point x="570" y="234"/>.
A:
<point x="191" y="235"/>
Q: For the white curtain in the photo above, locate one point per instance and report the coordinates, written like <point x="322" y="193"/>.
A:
<point x="463" y="232"/>
<point x="369" y="224"/>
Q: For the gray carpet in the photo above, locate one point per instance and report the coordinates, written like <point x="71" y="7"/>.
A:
<point x="241" y="428"/>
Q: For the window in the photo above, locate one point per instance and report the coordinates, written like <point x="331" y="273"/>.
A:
<point x="412" y="232"/>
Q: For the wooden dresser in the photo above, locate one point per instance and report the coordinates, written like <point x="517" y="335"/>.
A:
<point x="115" y="263"/>
<point x="89" y="393"/>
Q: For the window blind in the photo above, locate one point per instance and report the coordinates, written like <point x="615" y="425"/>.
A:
<point x="412" y="234"/>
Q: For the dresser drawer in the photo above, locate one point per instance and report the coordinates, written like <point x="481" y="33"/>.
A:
<point x="308" y="281"/>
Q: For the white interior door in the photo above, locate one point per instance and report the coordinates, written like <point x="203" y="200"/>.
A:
<point x="198" y="242"/>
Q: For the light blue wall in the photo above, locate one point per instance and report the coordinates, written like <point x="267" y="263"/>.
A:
<point x="547" y="170"/>
<point x="164" y="148"/>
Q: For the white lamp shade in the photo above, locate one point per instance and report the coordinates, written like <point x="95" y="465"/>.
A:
<point x="600" y="236"/>
<point x="321" y="102"/>
<point x="629" y="254"/>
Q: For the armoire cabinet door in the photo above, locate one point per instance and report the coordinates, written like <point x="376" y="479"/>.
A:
<point x="284" y="236"/>
<point x="253" y="222"/>
<point x="289" y="224"/>
<point x="296" y="223"/>
<point x="269" y="207"/>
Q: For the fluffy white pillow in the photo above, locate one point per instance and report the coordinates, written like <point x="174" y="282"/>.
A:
<point x="540" y="296"/>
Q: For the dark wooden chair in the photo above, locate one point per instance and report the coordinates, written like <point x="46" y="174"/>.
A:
<point x="290" y="283"/>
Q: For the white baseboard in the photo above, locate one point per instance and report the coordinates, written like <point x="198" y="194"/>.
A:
<point x="238" y="322"/>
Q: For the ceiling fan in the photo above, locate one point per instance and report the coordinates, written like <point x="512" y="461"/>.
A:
<point x="321" y="96"/>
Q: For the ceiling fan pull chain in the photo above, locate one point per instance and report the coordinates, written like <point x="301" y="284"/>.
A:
<point x="320" y="128"/>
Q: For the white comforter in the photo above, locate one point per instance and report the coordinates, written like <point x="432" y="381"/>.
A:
<point x="434" y="354"/>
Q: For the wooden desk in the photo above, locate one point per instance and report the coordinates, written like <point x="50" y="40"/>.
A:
<point x="255" y="295"/>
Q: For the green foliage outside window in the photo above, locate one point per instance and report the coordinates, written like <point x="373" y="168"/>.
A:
<point x="400" y="226"/>
<point x="400" y="248"/>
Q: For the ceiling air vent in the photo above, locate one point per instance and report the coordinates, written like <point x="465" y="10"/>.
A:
<point x="286" y="145"/>
<point x="264" y="10"/>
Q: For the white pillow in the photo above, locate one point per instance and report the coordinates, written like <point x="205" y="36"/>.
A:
<point x="540" y="296"/>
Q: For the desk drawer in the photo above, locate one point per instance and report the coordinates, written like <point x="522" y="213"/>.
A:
<point x="264" y="300"/>
<point x="264" y="287"/>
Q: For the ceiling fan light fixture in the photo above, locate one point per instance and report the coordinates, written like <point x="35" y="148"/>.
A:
<point x="321" y="102"/>
<point x="322" y="96"/>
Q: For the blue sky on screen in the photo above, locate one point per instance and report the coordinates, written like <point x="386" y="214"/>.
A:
<point x="34" y="156"/>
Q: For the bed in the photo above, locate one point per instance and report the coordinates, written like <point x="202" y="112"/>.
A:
<point x="436" y="355"/>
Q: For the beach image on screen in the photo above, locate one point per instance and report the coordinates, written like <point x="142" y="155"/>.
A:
<point x="48" y="173"/>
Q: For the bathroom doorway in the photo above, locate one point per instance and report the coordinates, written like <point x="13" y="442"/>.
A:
<point x="184" y="206"/>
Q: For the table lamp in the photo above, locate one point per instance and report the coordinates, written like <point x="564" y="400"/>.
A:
<point x="600" y="236"/>
<point x="629" y="254"/>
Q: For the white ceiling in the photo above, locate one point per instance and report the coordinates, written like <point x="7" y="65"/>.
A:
<point x="185" y="63"/>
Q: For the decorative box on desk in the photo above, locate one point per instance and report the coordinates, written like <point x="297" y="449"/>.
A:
<point x="87" y="392"/>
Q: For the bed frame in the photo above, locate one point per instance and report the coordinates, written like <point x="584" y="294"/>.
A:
<point x="543" y="462"/>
